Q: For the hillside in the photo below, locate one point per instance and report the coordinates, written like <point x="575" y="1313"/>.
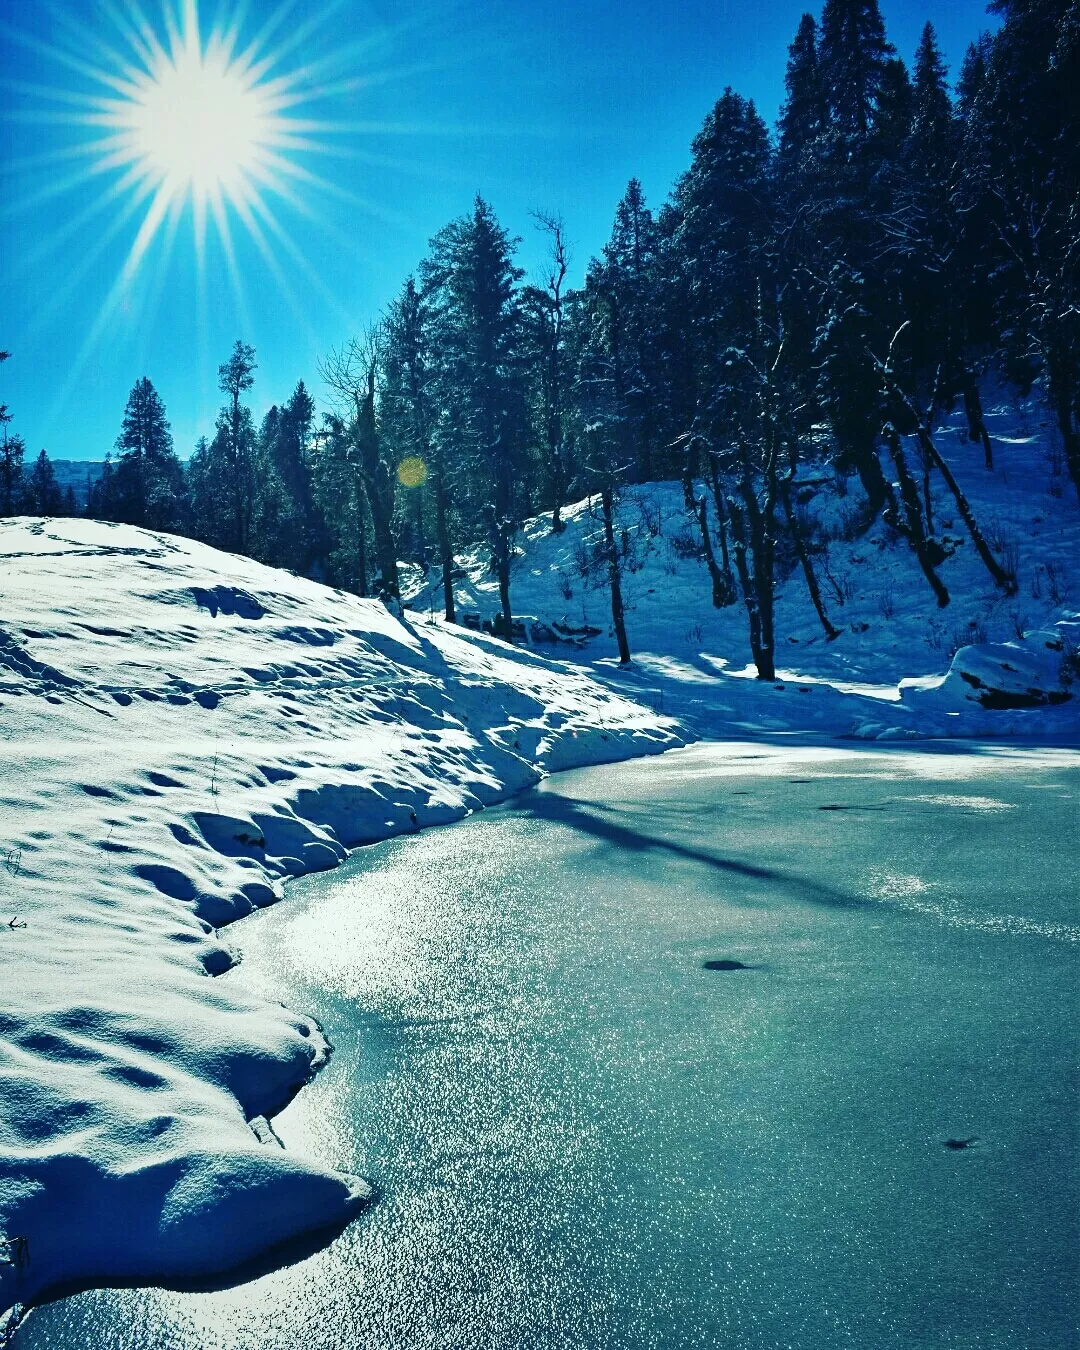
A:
<point x="886" y="673"/>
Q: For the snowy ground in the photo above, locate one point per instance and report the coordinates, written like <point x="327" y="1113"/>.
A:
<point x="183" y="730"/>
<point x="694" y="661"/>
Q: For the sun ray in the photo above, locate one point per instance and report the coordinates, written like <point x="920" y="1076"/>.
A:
<point x="300" y="314"/>
<point x="301" y="261"/>
<point x="221" y="219"/>
<point x="77" y="223"/>
<point x="207" y="133"/>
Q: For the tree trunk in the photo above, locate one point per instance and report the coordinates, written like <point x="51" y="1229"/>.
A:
<point x="974" y="413"/>
<point x="913" y="524"/>
<point x="502" y="565"/>
<point x="607" y="501"/>
<point x="721" y="518"/>
<point x="926" y="441"/>
<point x="723" y="589"/>
<point x="831" y="631"/>
<point x="720" y="593"/>
<point x="1000" y="576"/>
<point x="557" y="475"/>
<point x="446" y="552"/>
<point x="385" y="550"/>
<point x="764" y="545"/>
<point x="361" y="549"/>
<point x="379" y="487"/>
<point x="750" y="528"/>
<point x="1070" y="436"/>
<point x="868" y="468"/>
<point x="742" y="567"/>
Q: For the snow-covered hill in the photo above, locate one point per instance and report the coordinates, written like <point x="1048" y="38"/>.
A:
<point x="183" y="730"/>
<point x="695" y="661"/>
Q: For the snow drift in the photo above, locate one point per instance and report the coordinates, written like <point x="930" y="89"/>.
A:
<point x="183" y="730"/>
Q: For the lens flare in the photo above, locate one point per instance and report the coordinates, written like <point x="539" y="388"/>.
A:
<point x="412" y="472"/>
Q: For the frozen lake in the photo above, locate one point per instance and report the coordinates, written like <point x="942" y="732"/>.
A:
<point x="590" y="1130"/>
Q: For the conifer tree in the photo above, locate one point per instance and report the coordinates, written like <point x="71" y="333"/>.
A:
<point x="411" y="417"/>
<point x="802" y="118"/>
<point x="43" y="495"/>
<point x="232" y="451"/>
<point x="352" y="373"/>
<point x="544" y="311"/>
<point x="629" y="278"/>
<point x="1026" y="151"/>
<point x="473" y="280"/>
<point x="288" y="525"/>
<point x="148" y="484"/>
<point x="933" y="145"/>
<point x="12" y="450"/>
<point x="853" y="53"/>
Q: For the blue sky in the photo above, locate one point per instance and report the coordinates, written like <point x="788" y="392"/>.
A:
<point x="535" y="105"/>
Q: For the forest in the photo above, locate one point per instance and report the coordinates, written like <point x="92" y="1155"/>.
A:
<point x="809" y="298"/>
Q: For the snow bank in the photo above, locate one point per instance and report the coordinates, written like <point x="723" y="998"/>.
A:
<point x="184" y="730"/>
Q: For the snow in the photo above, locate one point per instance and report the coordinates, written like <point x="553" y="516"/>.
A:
<point x="888" y="675"/>
<point x="184" y="730"/>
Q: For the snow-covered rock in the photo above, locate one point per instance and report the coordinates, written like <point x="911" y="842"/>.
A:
<point x="1035" y="671"/>
<point x="183" y="730"/>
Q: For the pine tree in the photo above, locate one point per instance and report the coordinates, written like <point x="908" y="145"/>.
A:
<point x="629" y="276"/>
<point x="12" y="450"/>
<point x="342" y="501"/>
<point x="288" y="527"/>
<point x="149" y="479"/>
<point x="853" y="53"/>
<point x="1022" y="154"/>
<point x="473" y="280"/>
<point x="43" y="497"/>
<point x="893" y="117"/>
<point x="410" y="401"/>
<point x="933" y="145"/>
<point x="233" y="454"/>
<point x="544" y="312"/>
<point x="352" y="373"/>
<point x="102" y="498"/>
<point x="802" y="118"/>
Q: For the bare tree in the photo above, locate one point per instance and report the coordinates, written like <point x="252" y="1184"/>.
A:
<point x="547" y="309"/>
<point x="350" y="373"/>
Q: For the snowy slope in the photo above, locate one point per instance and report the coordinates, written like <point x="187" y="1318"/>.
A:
<point x="695" y="661"/>
<point x="183" y="730"/>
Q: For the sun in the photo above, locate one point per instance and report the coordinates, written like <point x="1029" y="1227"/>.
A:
<point x="200" y="125"/>
<point x="183" y="129"/>
<point x="177" y="120"/>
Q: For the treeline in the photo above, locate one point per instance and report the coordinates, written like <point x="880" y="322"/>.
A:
<point x="827" y="291"/>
